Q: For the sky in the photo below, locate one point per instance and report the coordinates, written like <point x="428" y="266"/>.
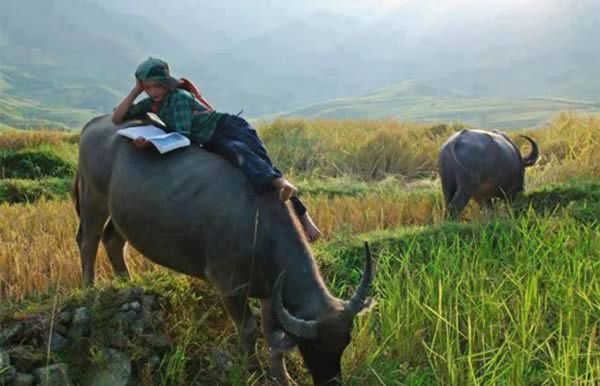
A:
<point x="433" y="6"/>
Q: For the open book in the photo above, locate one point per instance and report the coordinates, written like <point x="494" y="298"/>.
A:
<point x="162" y="140"/>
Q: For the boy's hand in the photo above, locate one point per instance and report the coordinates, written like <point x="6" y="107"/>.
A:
<point x="141" y="143"/>
<point x="139" y="88"/>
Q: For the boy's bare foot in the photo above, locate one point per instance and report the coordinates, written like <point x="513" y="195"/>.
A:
<point x="310" y="228"/>
<point x="286" y="190"/>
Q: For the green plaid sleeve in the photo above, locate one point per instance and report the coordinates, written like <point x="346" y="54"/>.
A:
<point x="137" y="110"/>
<point x="182" y="116"/>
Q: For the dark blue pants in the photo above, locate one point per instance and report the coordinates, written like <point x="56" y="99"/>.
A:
<point x="237" y="141"/>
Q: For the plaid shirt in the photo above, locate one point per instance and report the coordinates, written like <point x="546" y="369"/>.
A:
<point x="181" y="112"/>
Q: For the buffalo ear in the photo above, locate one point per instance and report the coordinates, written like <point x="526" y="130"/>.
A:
<point x="366" y="307"/>
<point x="369" y="304"/>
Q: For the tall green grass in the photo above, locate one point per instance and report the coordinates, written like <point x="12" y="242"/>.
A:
<point x="504" y="303"/>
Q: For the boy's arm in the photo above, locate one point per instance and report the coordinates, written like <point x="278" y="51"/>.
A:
<point x="121" y="110"/>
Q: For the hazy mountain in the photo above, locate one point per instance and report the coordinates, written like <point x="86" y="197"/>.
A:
<point x="268" y="56"/>
<point x="77" y="54"/>
<point x="207" y="26"/>
<point x="539" y="49"/>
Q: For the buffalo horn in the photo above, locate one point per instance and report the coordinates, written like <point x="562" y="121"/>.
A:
<point x="359" y="300"/>
<point x="292" y="325"/>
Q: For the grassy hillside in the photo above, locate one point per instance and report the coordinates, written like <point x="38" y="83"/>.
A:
<point x="414" y="101"/>
<point x="61" y="62"/>
<point x="510" y="299"/>
<point x="21" y="113"/>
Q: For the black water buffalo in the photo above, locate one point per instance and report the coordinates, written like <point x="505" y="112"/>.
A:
<point x="195" y="213"/>
<point x="482" y="165"/>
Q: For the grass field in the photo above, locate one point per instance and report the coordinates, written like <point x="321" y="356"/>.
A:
<point x="508" y="300"/>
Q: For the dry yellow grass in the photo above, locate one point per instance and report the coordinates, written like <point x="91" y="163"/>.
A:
<point x="16" y="140"/>
<point x="38" y="250"/>
<point x="570" y="147"/>
<point x="376" y="149"/>
<point x="369" y="149"/>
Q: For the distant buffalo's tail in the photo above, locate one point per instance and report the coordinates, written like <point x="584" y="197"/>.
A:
<point x="534" y="155"/>
<point x="75" y="193"/>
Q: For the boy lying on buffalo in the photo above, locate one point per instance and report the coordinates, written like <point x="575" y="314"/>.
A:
<point x="227" y="135"/>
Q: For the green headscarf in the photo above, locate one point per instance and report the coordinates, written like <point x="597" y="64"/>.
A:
<point x="157" y="70"/>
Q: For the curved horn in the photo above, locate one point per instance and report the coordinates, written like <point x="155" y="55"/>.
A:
<point x="301" y="328"/>
<point x="533" y="156"/>
<point x="359" y="300"/>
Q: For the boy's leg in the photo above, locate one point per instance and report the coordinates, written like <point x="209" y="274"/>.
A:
<point x="298" y="206"/>
<point x="310" y="228"/>
<point x="260" y="173"/>
<point x="235" y="130"/>
<point x="239" y="129"/>
<point x="238" y="142"/>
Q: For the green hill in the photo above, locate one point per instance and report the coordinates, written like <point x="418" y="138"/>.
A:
<point x="61" y="62"/>
<point x="415" y="101"/>
<point x="19" y="113"/>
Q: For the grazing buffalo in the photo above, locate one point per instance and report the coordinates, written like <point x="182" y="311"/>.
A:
<point x="482" y="165"/>
<point x="195" y="213"/>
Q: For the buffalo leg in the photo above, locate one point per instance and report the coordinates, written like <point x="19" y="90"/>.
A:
<point x="459" y="201"/>
<point x="237" y="307"/>
<point x="114" y="244"/>
<point x="279" y="343"/>
<point x="448" y="188"/>
<point x="88" y="238"/>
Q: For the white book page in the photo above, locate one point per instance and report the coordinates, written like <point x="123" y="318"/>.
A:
<point x="171" y="141"/>
<point x="163" y="141"/>
<point x="146" y="132"/>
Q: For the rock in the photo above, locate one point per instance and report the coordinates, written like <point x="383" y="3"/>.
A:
<point x="119" y="339"/>
<point x="127" y="295"/>
<point x="158" y="341"/>
<point x="4" y="358"/>
<point x="138" y="292"/>
<point x="57" y="342"/>
<point x="64" y="317"/>
<point x="222" y="360"/>
<point x="138" y="327"/>
<point x="124" y="317"/>
<point x="7" y="374"/>
<point x="154" y="362"/>
<point x="135" y="306"/>
<point x="23" y="380"/>
<point x="54" y="375"/>
<point x="61" y="329"/>
<point x="80" y="325"/>
<point x="117" y="371"/>
<point x="149" y="301"/>
<point x="27" y="358"/>
<point x="10" y="333"/>
<point x="158" y="318"/>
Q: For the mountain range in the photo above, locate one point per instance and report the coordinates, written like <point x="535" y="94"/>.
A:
<point x="271" y="59"/>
